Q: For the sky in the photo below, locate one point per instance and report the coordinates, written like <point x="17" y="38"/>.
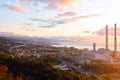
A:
<point x="81" y="21"/>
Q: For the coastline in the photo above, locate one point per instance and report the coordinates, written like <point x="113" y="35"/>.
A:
<point x="81" y="46"/>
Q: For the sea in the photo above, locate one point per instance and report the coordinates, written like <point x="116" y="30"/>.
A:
<point x="83" y="46"/>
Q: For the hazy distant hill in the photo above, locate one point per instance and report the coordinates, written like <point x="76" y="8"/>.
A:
<point x="27" y="39"/>
<point x="8" y="40"/>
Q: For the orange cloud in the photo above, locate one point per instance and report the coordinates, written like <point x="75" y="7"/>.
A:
<point x="22" y="1"/>
<point x="63" y="4"/>
<point x="17" y="8"/>
<point x="81" y="17"/>
<point x="69" y="3"/>
<point x="55" y="4"/>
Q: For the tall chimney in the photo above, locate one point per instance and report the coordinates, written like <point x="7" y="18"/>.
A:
<point x="106" y="37"/>
<point x="94" y="47"/>
<point x="115" y="41"/>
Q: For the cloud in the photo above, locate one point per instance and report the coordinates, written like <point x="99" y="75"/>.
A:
<point x="45" y="23"/>
<point x="73" y="19"/>
<point x="38" y="19"/>
<point x="46" y="26"/>
<point x="57" y="20"/>
<point x="102" y="31"/>
<point x="31" y="29"/>
<point x="27" y="24"/>
<point x="76" y="18"/>
<point x="54" y="4"/>
<point x="47" y="4"/>
<point x="63" y="4"/>
<point x="10" y="34"/>
<point x="6" y="33"/>
<point x="86" y="31"/>
<point x="67" y="14"/>
<point x="17" y="8"/>
<point x="81" y="17"/>
<point x="22" y="1"/>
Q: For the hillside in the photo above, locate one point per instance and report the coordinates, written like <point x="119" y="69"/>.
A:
<point x="34" y="69"/>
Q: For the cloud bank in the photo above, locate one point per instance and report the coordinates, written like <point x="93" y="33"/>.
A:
<point x="67" y="14"/>
<point x="102" y="31"/>
<point x="62" y="20"/>
<point x="54" y="4"/>
<point x="16" y="8"/>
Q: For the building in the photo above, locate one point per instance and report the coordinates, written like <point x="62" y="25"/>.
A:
<point x="61" y="67"/>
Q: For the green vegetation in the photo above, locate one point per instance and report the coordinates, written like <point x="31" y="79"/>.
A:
<point x="35" y="69"/>
<point x="5" y="74"/>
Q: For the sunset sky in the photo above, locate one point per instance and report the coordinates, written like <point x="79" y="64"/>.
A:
<point x="82" y="21"/>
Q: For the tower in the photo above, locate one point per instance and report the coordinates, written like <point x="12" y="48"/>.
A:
<point x="106" y="37"/>
<point x="94" y="47"/>
<point x="115" y="40"/>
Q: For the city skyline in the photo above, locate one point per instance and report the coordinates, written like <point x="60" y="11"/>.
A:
<point x="82" y="21"/>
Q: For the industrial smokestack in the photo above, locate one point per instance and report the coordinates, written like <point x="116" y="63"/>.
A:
<point x="94" y="47"/>
<point x="106" y="37"/>
<point x="115" y="41"/>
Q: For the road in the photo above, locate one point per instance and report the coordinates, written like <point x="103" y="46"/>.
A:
<point x="74" y="68"/>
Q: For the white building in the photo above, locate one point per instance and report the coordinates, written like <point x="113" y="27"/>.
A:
<point x="101" y="54"/>
<point x="60" y="66"/>
<point x="36" y="55"/>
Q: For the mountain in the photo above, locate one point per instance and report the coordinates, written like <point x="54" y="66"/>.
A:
<point x="7" y="40"/>
<point x="25" y="39"/>
<point x="41" y="40"/>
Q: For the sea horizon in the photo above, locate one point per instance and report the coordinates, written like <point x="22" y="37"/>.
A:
<point x="84" y="46"/>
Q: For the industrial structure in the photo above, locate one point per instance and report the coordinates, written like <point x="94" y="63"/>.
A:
<point x="94" y="47"/>
<point x="106" y="37"/>
<point x="103" y="54"/>
<point x="115" y="41"/>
